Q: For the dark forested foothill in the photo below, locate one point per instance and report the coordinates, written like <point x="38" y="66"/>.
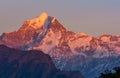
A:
<point x="29" y="64"/>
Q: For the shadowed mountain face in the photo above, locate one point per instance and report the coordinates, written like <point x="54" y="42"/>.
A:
<point x="29" y="64"/>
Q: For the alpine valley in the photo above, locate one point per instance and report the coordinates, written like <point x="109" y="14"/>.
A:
<point x="69" y="51"/>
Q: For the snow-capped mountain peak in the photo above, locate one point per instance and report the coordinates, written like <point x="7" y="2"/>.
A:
<point x="33" y="32"/>
<point x="43" y="16"/>
<point x="39" y="21"/>
<point x="68" y="50"/>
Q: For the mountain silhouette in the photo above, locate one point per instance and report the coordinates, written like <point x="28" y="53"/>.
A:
<point x="29" y="64"/>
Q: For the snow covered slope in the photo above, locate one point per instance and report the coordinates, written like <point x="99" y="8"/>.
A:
<point x="68" y="50"/>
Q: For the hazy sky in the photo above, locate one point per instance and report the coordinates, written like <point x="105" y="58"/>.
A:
<point x="93" y="17"/>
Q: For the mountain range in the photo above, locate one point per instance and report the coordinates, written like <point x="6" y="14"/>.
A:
<point x="69" y="51"/>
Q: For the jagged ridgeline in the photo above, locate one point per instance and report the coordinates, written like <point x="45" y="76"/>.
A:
<point x="68" y="50"/>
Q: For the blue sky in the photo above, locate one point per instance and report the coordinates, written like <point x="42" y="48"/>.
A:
<point x="94" y="17"/>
